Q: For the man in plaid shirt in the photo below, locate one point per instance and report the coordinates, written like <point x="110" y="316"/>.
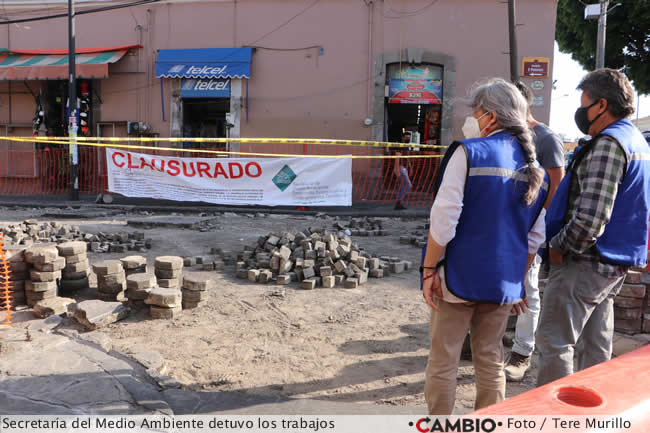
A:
<point x="603" y="230"/>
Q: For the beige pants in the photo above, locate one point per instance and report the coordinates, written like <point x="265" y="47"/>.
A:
<point x="447" y="330"/>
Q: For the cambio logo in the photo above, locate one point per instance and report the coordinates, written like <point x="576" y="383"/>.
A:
<point x="462" y="425"/>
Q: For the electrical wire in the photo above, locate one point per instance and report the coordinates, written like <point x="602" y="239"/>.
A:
<point x="314" y="3"/>
<point x="283" y="49"/>
<point x="406" y="14"/>
<point x="82" y="12"/>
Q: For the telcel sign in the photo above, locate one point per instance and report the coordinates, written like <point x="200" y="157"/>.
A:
<point x="205" y="88"/>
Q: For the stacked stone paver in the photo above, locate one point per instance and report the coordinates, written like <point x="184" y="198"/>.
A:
<point x="77" y="267"/>
<point x="195" y="289"/>
<point x="165" y="303"/>
<point x="111" y="280"/>
<point x="44" y="274"/>
<point x="18" y="274"/>
<point x="169" y="270"/>
<point x="138" y="287"/>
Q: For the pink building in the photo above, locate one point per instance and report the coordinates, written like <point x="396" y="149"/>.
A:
<point x="344" y="69"/>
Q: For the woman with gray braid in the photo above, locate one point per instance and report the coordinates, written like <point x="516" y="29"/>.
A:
<point x="487" y="223"/>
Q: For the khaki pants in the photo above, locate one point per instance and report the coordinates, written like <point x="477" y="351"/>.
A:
<point x="447" y="330"/>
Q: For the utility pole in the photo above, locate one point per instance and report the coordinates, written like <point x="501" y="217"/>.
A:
<point x="602" y="30"/>
<point x="72" y="107"/>
<point x="514" y="56"/>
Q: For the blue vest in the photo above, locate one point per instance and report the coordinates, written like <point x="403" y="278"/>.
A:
<point x="486" y="260"/>
<point x="625" y="239"/>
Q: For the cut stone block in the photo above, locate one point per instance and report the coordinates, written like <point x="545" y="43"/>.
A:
<point x="627" y="326"/>
<point x="361" y="262"/>
<point x="633" y="277"/>
<point x="71" y="248"/>
<point x="106" y="267"/>
<point x="16" y="267"/>
<point x="164" y="297"/>
<point x="627" y="313"/>
<point x="325" y="271"/>
<point x="54" y="266"/>
<point x="309" y="284"/>
<point x="112" y="288"/>
<point x="15" y="254"/>
<point x="284" y="279"/>
<point x="308" y="273"/>
<point x="198" y="282"/>
<point x="329" y="281"/>
<point x="71" y="286"/>
<point x="254" y="275"/>
<point x="266" y="276"/>
<point x="632" y="291"/>
<point x="165" y="313"/>
<point x="111" y="297"/>
<point x="624" y="302"/>
<point x="340" y="266"/>
<point x="194" y="296"/>
<point x="40" y="286"/>
<point x="109" y="279"/>
<point x="95" y="314"/>
<point x="169" y="283"/>
<point x="285" y="266"/>
<point x="168" y="262"/>
<point x="32" y="298"/>
<point x="339" y="279"/>
<point x="44" y="276"/>
<point x="172" y="273"/>
<point x="140" y="281"/>
<point x="189" y="261"/>
<point x="398" y="267"/>
<point x="41" y="254"/>
<point x="351" y="283"/>
<point x="362" y="277"/>
<point x="242" y="274"/>
<point x="78" y="267"/>
<point x="133" y="262"/>
<point x="52" y="306"/>
<point x="376" y="273"/>
<point x="75" y="275"/>
<point x="76" y="258"/>
<point x="190" y="305"/>
<point x="138" y="294"/>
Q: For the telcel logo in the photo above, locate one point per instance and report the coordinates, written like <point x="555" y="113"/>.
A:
<point x="207" y="70"/>
<point x="463" y="425"/>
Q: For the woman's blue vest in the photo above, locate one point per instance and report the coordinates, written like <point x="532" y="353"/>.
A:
<point x="486" y="260"/>
<point x="625" y="239"/>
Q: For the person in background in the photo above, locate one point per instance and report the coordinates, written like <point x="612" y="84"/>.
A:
<point x="401" y="172"/>
<point x="550" y="155"/>
<point x="487" y="221"/>
<point x="597" y="228"/>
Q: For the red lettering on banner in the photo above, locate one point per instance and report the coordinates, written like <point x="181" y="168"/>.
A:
<point x="239" y="167"/>
<point x="143" y="163"/>
<point x="115" y="162"/>
<point x="256" y="165"/>
<point x="218" y="170"/>
<point x="130" y="165"/>
<point x="173" y="168"/>
<point x="191" y="164"/>
<point x="203" y="167"/>
<point x="162" y="165"/>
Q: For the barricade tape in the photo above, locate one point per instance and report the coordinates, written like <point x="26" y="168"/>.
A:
<point x="361" y="143"/>
<point x="218" y="152"/>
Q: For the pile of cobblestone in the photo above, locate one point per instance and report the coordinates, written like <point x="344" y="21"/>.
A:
<point x="362" y="227"/>
<point x="315" y="258"/>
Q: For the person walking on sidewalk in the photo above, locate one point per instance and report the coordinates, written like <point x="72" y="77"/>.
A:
<point x="402" y="174"/>
<point x="550" y="155"/>
<point x="597" y="226"/>
<point x="487" y="220"/>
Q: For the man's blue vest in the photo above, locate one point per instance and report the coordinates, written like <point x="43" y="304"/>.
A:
<point x="486" y="260"/>
<point x="625" y="239"/>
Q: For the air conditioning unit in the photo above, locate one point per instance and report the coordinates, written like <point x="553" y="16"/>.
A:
<point x="138" y="128"/>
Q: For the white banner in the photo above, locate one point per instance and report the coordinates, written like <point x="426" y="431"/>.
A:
<point x="232" y="181"/>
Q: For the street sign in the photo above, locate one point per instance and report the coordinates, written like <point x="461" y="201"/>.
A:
<point x="537" y="85"/>
<point x="535" y="67"/>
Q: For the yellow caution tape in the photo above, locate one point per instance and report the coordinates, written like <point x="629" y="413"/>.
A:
<point x="218" y="152"/>
<point x="241" y="140"/>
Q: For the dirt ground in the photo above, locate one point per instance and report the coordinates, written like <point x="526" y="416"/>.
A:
<point x="351" y="345"/>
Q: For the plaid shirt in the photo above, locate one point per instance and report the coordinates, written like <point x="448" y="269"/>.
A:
<point x="591" y="201"/>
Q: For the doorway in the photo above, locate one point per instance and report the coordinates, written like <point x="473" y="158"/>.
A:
<point x="205" y="118"/>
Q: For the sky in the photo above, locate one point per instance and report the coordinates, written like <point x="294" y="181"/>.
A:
<point x="565" y="98"/>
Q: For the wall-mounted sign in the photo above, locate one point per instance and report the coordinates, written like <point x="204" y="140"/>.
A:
<point x="537" y="85"/>
<point x="538" y="101"/>
<point x="423" y="92"/>
<point x="535" y="67"/>
<point x="205" y="88"/>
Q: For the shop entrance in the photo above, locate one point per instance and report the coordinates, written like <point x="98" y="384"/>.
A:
<point x="206" y="118"/>
<point x="414" y="104"/>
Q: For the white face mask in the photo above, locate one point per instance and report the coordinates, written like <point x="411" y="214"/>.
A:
<point x="471" y="128"/>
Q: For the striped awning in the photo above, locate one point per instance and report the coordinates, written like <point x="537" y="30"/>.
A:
<point x="91" y="63"/>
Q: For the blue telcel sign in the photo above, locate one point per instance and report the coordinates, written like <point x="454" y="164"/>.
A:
<point x="205" y="87"/>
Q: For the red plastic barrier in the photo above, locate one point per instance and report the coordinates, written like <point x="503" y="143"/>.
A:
<point x="620" y="387"/>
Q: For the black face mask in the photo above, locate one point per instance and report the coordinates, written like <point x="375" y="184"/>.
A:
<point x="582" y="120"/>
